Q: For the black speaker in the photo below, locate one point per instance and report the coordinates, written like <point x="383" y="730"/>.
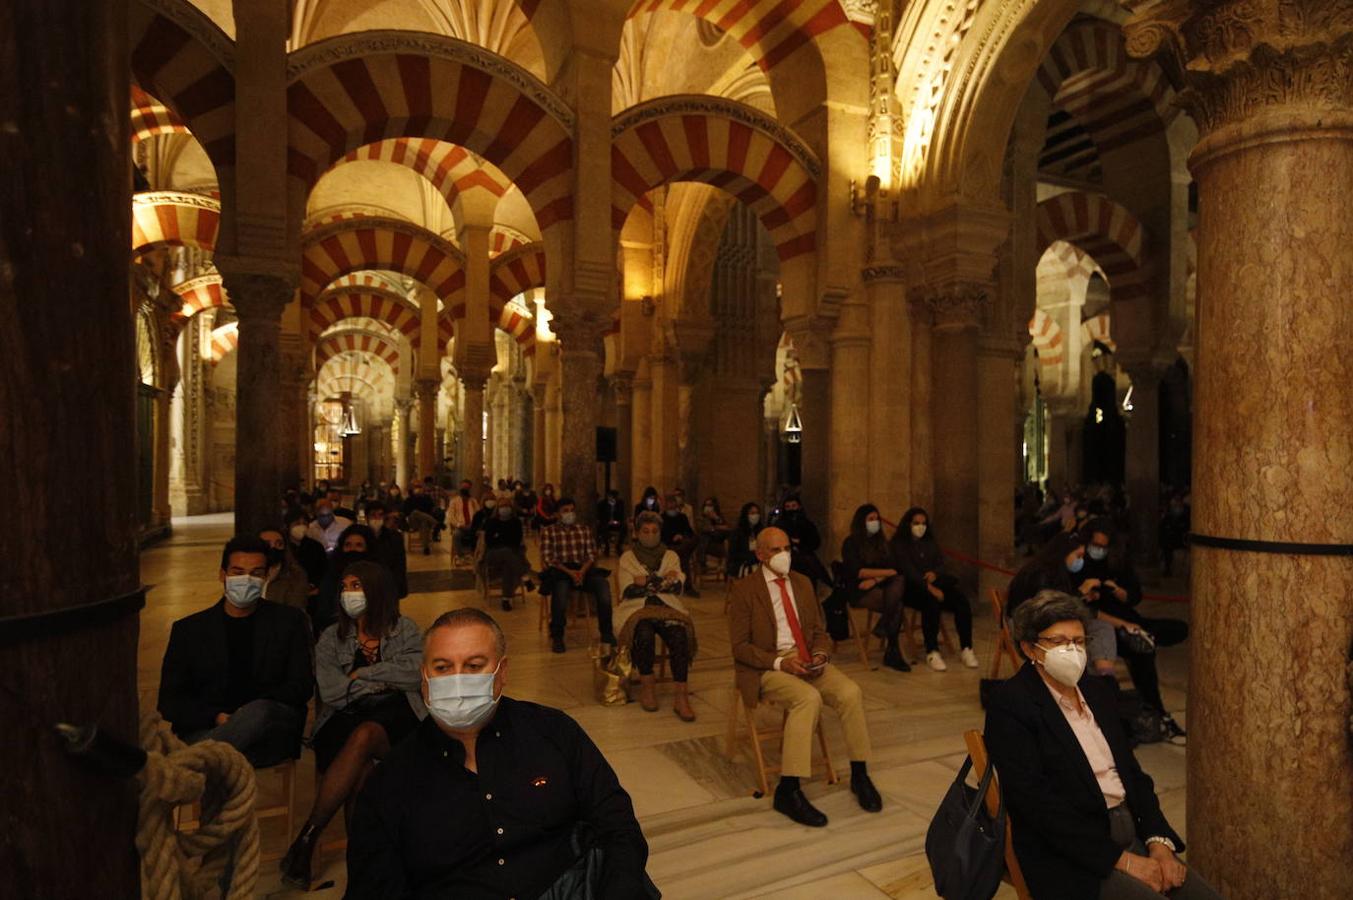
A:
<point x="606" y="441"/>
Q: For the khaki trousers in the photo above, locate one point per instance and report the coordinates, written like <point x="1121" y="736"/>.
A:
<point x="803" y="699"/>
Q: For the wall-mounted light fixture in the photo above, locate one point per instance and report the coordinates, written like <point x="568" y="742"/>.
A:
<point x="875" y="201"/>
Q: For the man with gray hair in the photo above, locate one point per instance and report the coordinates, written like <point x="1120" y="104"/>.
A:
<point x="1084" y="816"/>
<point x="491" y="796"/>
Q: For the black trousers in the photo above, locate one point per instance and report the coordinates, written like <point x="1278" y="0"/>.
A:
<point x="955" y="602"/>
<point x="644" y="648"/>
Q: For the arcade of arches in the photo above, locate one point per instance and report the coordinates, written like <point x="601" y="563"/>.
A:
<point x="373" y="241"/>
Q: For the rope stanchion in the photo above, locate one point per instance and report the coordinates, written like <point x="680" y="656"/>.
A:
<point x="175" y="865"/>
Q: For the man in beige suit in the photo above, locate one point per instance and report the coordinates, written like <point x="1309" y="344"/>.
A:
<point x="780" y="653"/>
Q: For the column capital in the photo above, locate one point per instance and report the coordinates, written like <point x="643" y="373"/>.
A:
<point x="958" y="306"/>
<point x="809" y="334"/>
<point x="1241" y="59"/>
<point x="622" y="387"/>
<point x="427" y="389"/>
<point x="403" y="404"/>
<point x="258" y="294"/>
<point x="473" y="378"/>
<point x="579" y="328"/>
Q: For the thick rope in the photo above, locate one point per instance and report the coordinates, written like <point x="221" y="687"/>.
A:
<point x="174" y="865"/>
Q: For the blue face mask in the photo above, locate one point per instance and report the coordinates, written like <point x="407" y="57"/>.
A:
<point x="1076" y="565"/>
<point x="243" y="591"/>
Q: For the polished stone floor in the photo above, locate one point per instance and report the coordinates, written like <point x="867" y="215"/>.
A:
<point x="708" y="837"/>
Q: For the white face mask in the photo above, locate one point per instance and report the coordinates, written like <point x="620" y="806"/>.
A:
<point x="462" y="702"/>
<point x="298" y="532"/>
<point x="1097" y="553"/>
<point x="873" y="526"/>
<point x="354" y="603"/>
<point x="918" y="531"/>
<point x="568" y="518"/>
<point x="779" y="563"/>
<point x="753" y="518"/>
<point x="1066" y="664"/>
<point x="243" y="591"/>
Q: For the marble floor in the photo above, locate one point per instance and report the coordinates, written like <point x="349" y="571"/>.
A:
<point x="708" y="837"/>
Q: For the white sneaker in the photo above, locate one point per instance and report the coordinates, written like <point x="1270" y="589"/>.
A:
<point x="935" y="661"/>
<point x="969" y="658"/>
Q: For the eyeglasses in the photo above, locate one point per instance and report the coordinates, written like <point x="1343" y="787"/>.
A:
<point x="1059" y="641"/>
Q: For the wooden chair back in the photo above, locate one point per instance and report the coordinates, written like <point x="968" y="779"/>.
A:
<point x="977" y="751"/>
<point x="1005" y="644"/>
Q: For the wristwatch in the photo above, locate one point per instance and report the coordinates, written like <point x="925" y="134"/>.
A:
<point x="1161" y="839"/>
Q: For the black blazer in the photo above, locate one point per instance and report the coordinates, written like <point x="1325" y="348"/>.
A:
<point x="195" y="676"/>
<point x="1057" y="811"/>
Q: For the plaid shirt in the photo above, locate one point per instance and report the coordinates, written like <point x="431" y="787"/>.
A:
<point x="561" y="544"/>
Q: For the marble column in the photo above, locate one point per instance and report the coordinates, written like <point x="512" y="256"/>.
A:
<point x="998" y="455"/>
<point x="890" y="419"/>
<point x="1143" y="460"/>
<point x="403" y="409"/>
<point x="554" y="432"/>
<point x="492" y="401"/>
<point x="641" y="436"/>
<point x="848" y="445"/>
<point x="814" y="352"/>
<point x="169" y="379"/>
<point x="66" y="397"/>
<point x="953" y="416"/>
<point x="622" y="389"/>
<point x="293" y="388"/>
<point x="427" y="389"/>
<point x="770" y="452"/>
<point x="580" y="371"/>
<point x="1270" y="775"/>
<point x="538" y="432"/>
<point x="472" y="441"/>
<point x="922" y="467"/>
<point x="259" y="298"/>
<point x="664" y="418"/>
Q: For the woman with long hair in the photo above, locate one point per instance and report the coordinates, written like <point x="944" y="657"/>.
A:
<point x="1059" y="566"/>
<point x="930" y="588"/>
<point x="742" y="542"/>
<point x="871" y="579"/>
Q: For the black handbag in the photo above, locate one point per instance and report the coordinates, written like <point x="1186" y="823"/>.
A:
<point x="964" y="845"/>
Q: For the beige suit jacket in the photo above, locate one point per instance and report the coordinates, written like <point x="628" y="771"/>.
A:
<point x="752" y="629"/>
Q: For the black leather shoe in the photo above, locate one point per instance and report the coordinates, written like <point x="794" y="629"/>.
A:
<point x="796" y="806"/>
<point x="557" y="645"/>
<point x="892" y="658"/>
<point x="295" y="865"/>
<point x="868" y="795"/>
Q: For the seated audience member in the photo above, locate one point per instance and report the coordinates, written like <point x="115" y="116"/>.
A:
<point x="679" y="537"/>
<point x="568" y="556"/>
<point x="872" y="581"/>
<point x="611" y="520"/>
<point x="367" y="667"/>
<point x="504" y="547"/>
<point x="309" y="552"/>
<point x="354" y="546"/>
<point x="491" y="796"/>
<point x="712" y="532"/>
<point x="394" y="498"/>
<point x="1173" y="531"/>
<point x="1084" y="816"/>
<point x="742" y="542"/>
<point x="686" y="509"/>
<point x="239" y="671"/>
<point x="780" y="654"/>
<point x="341" y="510"/>
<point x="287" y="582"/>
<point x="418" y="514"/>
<point x="1058" y="567"/>
<point x="547" y="508"/>
<point x="649" y="502"/>
<point x="930" y="588"/>
<point x="327" y="526"/>
<point x="1116" y="597"/>
<point x="650" y="585"/>
<point x="461" y="513"/>
<point x="388" y="547"/>
<point x="526" y="505"/>
<point x="804" y="539"/>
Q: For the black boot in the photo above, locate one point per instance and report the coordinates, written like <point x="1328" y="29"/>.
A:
<point x="296" y="864"/>
<point x="892" y="657"/>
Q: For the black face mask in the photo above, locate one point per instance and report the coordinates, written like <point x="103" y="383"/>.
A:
<point x="275" y="557"/>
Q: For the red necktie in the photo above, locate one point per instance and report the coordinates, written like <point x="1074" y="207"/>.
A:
<point x="792" y="618"/>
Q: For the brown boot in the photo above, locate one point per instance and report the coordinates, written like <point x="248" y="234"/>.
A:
<point x="681" y="703"/>
<point x="648" y="695"/>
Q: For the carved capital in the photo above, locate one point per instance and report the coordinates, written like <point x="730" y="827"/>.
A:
<point x="259" y="295"/>
<point x="958" y="307"/>
<point x="622" y="387"/>
<point x="1243" y="58"/>
<point x="809" y="335"/>
<point x="427" y="389"/>
<point x="871" y="274"/>
<point x="579" y="328"/>
<point x="472" y="378"/>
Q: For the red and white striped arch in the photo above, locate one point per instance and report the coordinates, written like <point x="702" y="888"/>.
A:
<point x="517" y="271"/>
<point x="174" y="218"/>
<point x="151" y="117"/>
<point x="200" y="293"/>
<point x="1047" y="339"/>
<point x="354" y="90"/>
<point x="182" y="58"/>
<point x="1098" y="328"/>
<point x="352" y="301"/>
<point x="1116" y="99"/>
<point x="1103" y="229"/>
<point x="358" y="341"/>
<point x="224" y="338"/>
<point x="504" y="238"/>
<point x="770" y="30"/>
<point x="451" y="169"/>
<point x="725" y="144"/>
<point x="347" y="246"/>
<point x="360" y="374"/>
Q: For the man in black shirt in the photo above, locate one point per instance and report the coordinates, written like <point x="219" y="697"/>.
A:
<point x="504" y="550"/>
<point x="388" y="548"/>
<point x="489" y="796"/>
<point x="239" y="671"/>
<point x="611" y="516"/>
<point x="679" y="537"/>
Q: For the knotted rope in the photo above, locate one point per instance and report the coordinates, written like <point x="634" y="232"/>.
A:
<point x="175" y="865"/>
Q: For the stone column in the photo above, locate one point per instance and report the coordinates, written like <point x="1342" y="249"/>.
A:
<point x="848" y="445"/>
<point x="622" y="388"/>
<point x="538" y="431"/>
<point x="1143" y="460"/>
<point x="890" y="447"/>
<point x="664" y="418"/>
<point x="580" y="370"/>
<point x="472" y="442"/>
<point x="168" y="333"/>
<point x="641" y="436"/>
<point x="259" y="296"/>
<point x="922" y="446"/>
<point x="293" y="388"/>
<point x="1270" y="775"/>
<point x="193" y="386"/>
<point x="953" y="415"/>
<point x="998" y="454"/>
<point x="815" y="412"/>
<point x="770" y="444"/>
<point x="427" y="389"/>
<point x="554" y="431"/>
<point x="66" y="400"/>
<point x="403" y="407"/>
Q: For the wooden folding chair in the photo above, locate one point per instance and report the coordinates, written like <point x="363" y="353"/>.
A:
<point x="759" y="735"/>
<point x="912" y="632"/>
<point x="977" y="751"/>
<point x="860" y="634"/>
<point x="660" y="657"/>
<point x="284" y="808"/>
<point x="580" y="600"/>
<point x="1004" y="643"/>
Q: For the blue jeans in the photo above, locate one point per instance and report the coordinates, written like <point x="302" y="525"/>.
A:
<point x="265" y="731"/>
<point x="598" y="586"/>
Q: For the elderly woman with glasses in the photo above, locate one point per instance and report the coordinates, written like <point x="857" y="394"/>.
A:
<point x="1084" y="816"/>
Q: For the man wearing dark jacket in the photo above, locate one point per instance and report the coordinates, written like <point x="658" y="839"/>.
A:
<point x="240" y="671"/>
<point x="388" y="548"/>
